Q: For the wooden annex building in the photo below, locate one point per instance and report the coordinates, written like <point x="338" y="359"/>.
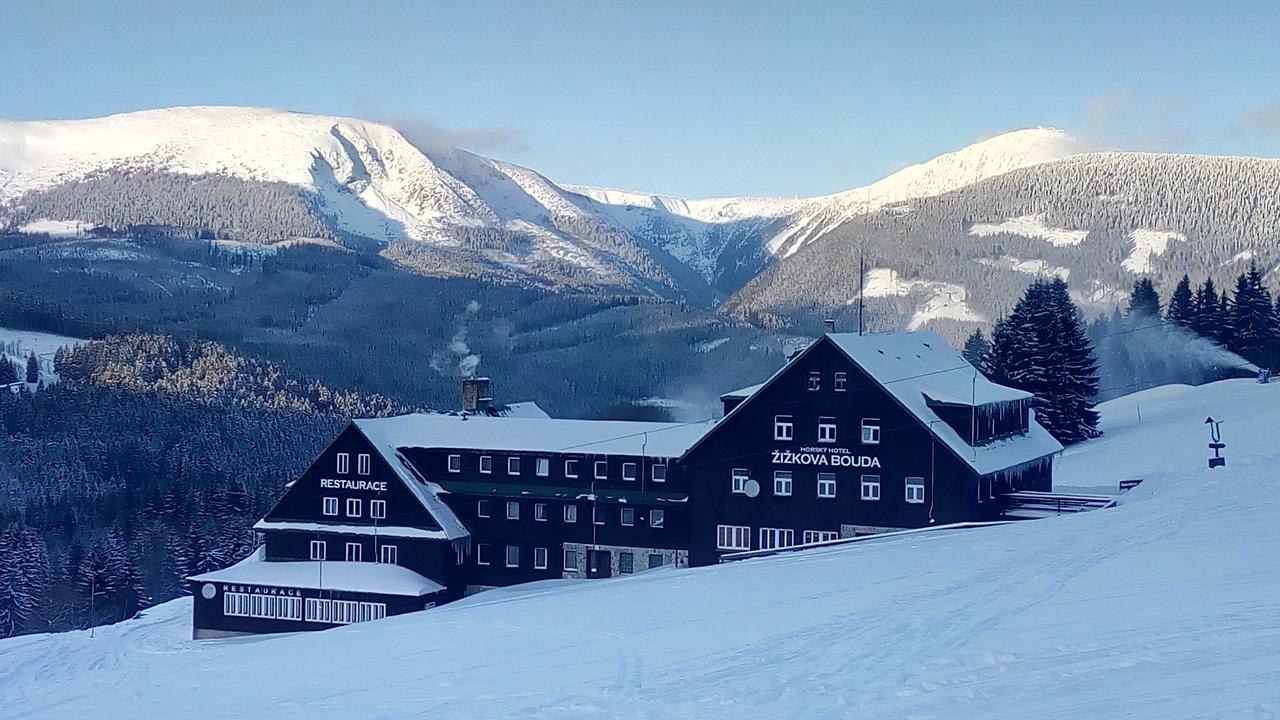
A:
<point x="856" y="434"/>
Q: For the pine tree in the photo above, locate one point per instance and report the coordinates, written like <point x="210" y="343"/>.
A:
<point x="977" y="350"/>
<point x="1252" y="322"/>
<point x="1207" y="320"/>
<point x="1144" y="301"/>
<point x="1182" y="309"/>
<point x="1041" y="347"/>
<point x="8" y="374"/>
<point x="33" y="369"/>
<point x="24" y="577"/>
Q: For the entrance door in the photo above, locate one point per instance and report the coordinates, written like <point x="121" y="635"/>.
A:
<point x="599" y="563"/>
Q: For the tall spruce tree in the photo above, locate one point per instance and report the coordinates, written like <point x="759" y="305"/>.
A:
<point x="1253" y="321"/>
<point x="1208" y="318"/>
<point x="8" y="373"/>
<point x="1041" y="347"/>
<point x="1182" y="309"/>
<point x="1144" y="301"/>
<point x="977" y="350"/>
<point x="33" y="369"/>
<point x="24" y="577"/>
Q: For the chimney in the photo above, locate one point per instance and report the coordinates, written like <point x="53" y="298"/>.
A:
<point x="829" y="325"/>
<point x="476" y="395"/>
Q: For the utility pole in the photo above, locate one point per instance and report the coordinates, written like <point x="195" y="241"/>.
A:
<point x="862" y="272"/>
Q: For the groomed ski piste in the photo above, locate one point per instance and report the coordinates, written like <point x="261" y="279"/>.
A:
<point x="1167" y="606"/>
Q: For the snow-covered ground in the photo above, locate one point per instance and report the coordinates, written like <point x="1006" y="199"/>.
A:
<point x="1164" y="607"/>
<point x="1032" y="226"/>
<point x="1148" y="245"/>
<point x="18" y="344"/>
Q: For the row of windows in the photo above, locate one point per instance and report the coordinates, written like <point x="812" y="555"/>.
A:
<point x="271" y="607"/>
<point x="355" y="507"/>
<point x="542" y="467"/>
<point x="569" y="560"/>
<point x="626" y="515"/>
<point x="387" y="554"/>
<point x="784" y="428"/>
<point x="783" y="483"/>
<point x="839" y="381"/>
<point x="738" y="537"/>
<point x="343" y="612"/>
<point x="344" y="463"/>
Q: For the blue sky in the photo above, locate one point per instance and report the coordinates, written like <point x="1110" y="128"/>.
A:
<point x="695" y="99"/>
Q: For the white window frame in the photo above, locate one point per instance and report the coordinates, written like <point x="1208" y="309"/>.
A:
<point x="913" y="490"/>
<point x="784" y="427"/>
<point x="482" y="509"/>
<point x="486" y="464"/>
<point x="481" y="551"/>
<point x="513" y="509"/>
<point x="570" y="513"/>
<point x="815" y="381"/>
<point x="827" y="430"/>
<point x="388" y="554"/>
<point x="571" y="468"/>
<point x="540" y="512"/>
<point x="840" y="381"/>
<point x="627" y="516"/>
<point x="783" y="483"/>
<point x="870" y="488"/>
<point x="658" y="472"/>
<point x="513" y="466"/>
<point x="319" y="548"/>
<point x="329" y="506"/>
<point x="454" y="463"/>
<point x="740" y="476"/>
<point x="817" y="536"/>
<point x="354" y="552"/>
<point x="657" y="518"/>
<point x="357" y="505"/>
<point x="601" y="469"/>
<point x="343" y="463"/>
<point x="733" y="537"/>
<point x="363" y="465"/>
<point x="507" y="556"/>
<point x="378" y="509"/>
<point x="539" y="558"/>
<point x="870" y="431"/>
<point x="826" y="484"/>
<point x="629" y="471"/>
<point x="542" y="467"/>
<point x="570" y="560"/>
<point x="777" y="538"/>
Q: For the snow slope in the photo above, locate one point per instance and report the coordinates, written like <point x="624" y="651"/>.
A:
<point x="1161" y="608"/>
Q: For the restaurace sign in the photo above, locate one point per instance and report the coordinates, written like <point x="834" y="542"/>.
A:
<point x="830" y="456"/>
<point x="340" y="484"/>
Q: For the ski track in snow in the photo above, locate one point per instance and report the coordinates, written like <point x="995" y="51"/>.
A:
<point x="1163" y="607"/>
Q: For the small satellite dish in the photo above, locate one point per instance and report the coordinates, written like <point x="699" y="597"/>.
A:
<point x="751" y="488"/>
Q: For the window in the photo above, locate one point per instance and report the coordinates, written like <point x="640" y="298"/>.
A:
<point x="733" y="537"/>
<point x="513" y="466"/>
<point x="387" y="554"/>
<point x="826" y="485"/>
<point x="513" y="556"/>
<point x="656" y="560"/>
<point x="353" y="507"/>
<point x="513" y="510"/>
<point x="628" y="516"/>
<point x="543" y="467"/>
<point x="915" y="490"/>
<point x="597" y="514"/>
<point x="626" y="563"/>
<point x="482" y="554"/>
<point x="354" y="552"/>
<point x="740" y="477"/>
<point x="783" y="428"/>
<point x="378" y="509"/>
<point x="540" y="512"/>
<point x="482" y="508"/>
<point x="571" y="468"/>
<point x="839" y="381"/>
<point x="628" y="471"/>
<point x="318" y="549"/>
<point x="602" y="469"/>
<point x="571" y="513"/>
<point x="455" y="463"/>
<point x="657" y="518"/>
<point x="362" y="463"/>
<point x="658" y="473"/>
<point x="338" y="612"/>
<point x="826" y="429"/>
<point x="870" y="431"/>
<point x="344" y="463"/>
<point x="771" y="538"/>
<point x="817" y="536"/>
<point x="571" y="560"/>
<point x="781" y="482"/>
<point x="331" y="506"/>
<point x="870" y="487"/>
<point x="270" y="607"/>
<point x="815" y="381"/>
<point x="486" y="464"/>
<point x="539" y="558"/>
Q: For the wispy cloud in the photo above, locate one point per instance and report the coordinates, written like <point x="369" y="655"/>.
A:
<point x="428" y="135"/>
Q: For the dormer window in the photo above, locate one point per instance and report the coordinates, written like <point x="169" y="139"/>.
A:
<point x="486" y="464"/>
<point x="455" y="463"/>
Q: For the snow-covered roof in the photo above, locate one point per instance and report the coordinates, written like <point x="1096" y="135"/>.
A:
<point x="916" y="366"/>
<point x="426" y="492"/>
<point x="520" y="410"/>
<point x="742" y="393"/>
<point x="381" y="578"/>
<point x="515" y="434"/>
<point x="378" y="530"/>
